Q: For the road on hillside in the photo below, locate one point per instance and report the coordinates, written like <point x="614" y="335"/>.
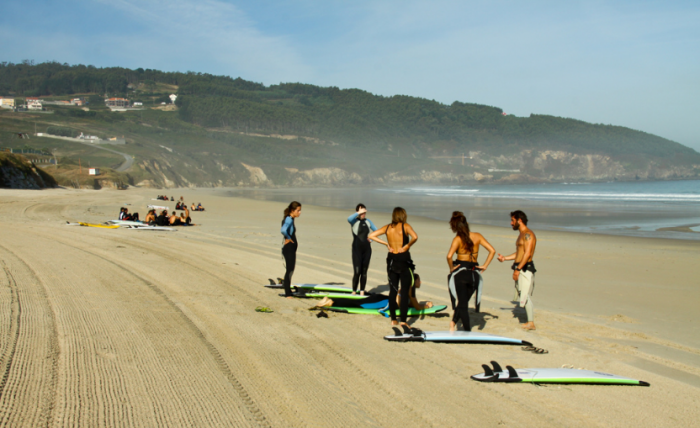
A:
<point x="128" y="159"/>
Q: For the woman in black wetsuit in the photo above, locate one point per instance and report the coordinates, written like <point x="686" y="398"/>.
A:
<point x="289" y="248"/>
<point x="361" y="227"/>
<point x="399" y="264"/>
<point x="464" y="277"/>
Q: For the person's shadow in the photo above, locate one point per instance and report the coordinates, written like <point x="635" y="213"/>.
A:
<point x="479" y="319"/>
<point x="379" y="289"/>
<point x="518" y="313"/>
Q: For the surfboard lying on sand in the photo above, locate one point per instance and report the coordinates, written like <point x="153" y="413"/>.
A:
<point x="149" y="227"/>
<point x="103" y="226"/>
<point x="412" y="312"/>
<point x="127" y="223"/>
<point x="456" y="337"/>
<point x="497" y="374"/>
<point x="158" y="207"/>
<point x="330" y="295"/>
<point x="315" y="287"/>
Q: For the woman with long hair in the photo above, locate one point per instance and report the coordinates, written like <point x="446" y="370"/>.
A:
<point x="399" y="264"/>
<point x="289" y="247"/>
<point x="464" y="276"/>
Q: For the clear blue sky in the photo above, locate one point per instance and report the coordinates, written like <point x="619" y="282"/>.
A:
<point x="628" y="63"/>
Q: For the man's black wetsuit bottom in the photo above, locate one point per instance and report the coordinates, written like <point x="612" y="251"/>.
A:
<point x="360" y="263"/>
<point x="289" y="252"/>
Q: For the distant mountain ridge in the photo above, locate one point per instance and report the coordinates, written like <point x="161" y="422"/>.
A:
<point x="291" y="129"/>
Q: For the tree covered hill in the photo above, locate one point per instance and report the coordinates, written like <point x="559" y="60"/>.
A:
<point x="329" y="123"/>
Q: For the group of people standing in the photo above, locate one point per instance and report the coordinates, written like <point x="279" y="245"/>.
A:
<point x="464" y="270"/>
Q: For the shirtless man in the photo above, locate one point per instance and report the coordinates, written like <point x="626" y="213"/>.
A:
<point x="523" y="267"/>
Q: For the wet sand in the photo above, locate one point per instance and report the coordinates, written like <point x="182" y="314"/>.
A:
<point x="120" y="327"/>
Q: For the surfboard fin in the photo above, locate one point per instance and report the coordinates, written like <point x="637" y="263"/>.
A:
<point x="272" y="281"/>
<point x="496" y="367"/>
<point x="512" y="373"/>
<point x="487" y="370"/>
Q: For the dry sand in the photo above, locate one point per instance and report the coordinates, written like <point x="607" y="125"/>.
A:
<point x="120" y="327"/>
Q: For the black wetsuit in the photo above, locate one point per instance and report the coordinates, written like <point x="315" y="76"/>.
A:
<point x="462" y="283"/>
<point x="361" y="253"/>
<point x="400" y="270"/>
<point x="289" y="251"/>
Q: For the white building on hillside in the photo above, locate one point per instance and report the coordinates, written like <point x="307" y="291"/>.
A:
<point x="173" y="97"/>
<point x="34" y="104"/>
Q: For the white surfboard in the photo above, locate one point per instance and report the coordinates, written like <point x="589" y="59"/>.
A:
<point x="457" y="337"/>
<point x="149" y="227"/>
<point x="158" y="207"/>
<point x="549" y="375"/>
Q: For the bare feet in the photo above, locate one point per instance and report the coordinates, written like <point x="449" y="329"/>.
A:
<point x="528" y="326"/>
<point x="325" y="302"/>
<point x="394" y="322"/>
<point x="362" y="293"/>
<point x="290" y="297"/>
<point x="453" y="326"/>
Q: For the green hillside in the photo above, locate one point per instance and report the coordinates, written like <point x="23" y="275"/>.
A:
<point x="220" y="123"/>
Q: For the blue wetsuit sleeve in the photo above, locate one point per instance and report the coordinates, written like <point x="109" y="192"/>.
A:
<point x="353" y="218"/>
<point x="371" y="225"/>
<point x="285" y="228"/>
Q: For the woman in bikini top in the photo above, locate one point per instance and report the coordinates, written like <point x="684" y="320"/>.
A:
<point x="466" y="245"/>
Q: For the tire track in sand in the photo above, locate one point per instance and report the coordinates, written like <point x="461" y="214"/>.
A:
<point x="256" y="414"/>
<point x="29" y="361"/>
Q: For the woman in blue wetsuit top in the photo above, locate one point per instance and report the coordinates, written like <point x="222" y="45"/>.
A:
<point x="361" y="227"/>
<point x="289" y="248"/>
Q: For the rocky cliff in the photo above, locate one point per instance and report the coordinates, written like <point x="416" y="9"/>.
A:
<point x="16" y="172"/>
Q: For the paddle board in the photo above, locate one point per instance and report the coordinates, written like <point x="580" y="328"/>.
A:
<point x="412" y="312"/>
<point x="457" y="337"/>
<point x="103" y="226"/>
<point x="546" y="375"/>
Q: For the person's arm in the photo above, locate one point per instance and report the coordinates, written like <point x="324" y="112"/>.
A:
<point x="492" y="252"/>
<point x="285" y="230"/>
<point x="453" y="249"/>
<point x="414" y="237"/>
<point x="353" y="218"/>
<point x="528" y="246"/>
<point x="502" y="258"/>
<point x="371" y="225"/>
<point x="374" y="236"/>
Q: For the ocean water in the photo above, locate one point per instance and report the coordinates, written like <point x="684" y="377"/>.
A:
<point x="645" y="209"/>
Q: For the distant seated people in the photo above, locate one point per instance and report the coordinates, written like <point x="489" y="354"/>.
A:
<point x="150" y="217"/>
<point x="200" y="207"/>
<point x="163" y="219"/>
<point x="178" y="206"/>
<point x="193" y="208"/>
<point x="124" y="215"/>
<point x="171" y="198"/>
<point x="174" y="219"/>
<point x="182" y="199"/>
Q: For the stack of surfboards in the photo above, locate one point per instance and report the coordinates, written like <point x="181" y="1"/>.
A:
<point x="332" y="290"/>
<point x="511" y="375"/>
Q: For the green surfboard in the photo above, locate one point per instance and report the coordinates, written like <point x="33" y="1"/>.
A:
<point x="412" y="312"/>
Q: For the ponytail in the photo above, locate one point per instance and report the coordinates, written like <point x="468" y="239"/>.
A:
<point x="459" y="225"/>
<point x="292" y="207"/>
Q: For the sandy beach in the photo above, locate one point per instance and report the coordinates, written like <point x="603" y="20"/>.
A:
<point x="104" y="327"/>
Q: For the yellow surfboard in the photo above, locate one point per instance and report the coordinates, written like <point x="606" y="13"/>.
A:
<point x="104" y="226"/>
